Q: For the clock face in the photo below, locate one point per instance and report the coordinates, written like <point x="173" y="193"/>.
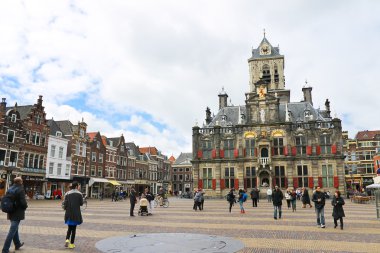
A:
<point x="261" y="91"/>
<point x="265" y="49"/>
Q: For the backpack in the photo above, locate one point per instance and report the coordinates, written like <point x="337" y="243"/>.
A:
<point x="229" y="197"/>
<point x="245" y="196"/>
<point x="8" y="202"/>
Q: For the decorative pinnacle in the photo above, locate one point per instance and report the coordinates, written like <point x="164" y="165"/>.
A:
<point x="264" y="32"/>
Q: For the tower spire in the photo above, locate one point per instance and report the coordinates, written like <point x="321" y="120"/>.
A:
<point x="264" y="32"/>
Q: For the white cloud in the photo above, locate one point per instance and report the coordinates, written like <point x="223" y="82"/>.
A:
<point x="169" y="59"/>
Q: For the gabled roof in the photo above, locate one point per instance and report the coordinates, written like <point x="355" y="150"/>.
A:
<point x="54" y="128"/>
<point x="133" y="149"/>
<point x="66" y="126"/>
<point x="24" y="110"/>
<point x="275" y="51"/>
<point x="172" y="159"/>
<point x="367" y="135"/>
<point x="231" y="114"/>
<point x="104" y="140"/>
<point x="115" y="141"/>
<point x="92" y="135"/>
<point x="149" y="150"/>
<point x="184" y="159"/>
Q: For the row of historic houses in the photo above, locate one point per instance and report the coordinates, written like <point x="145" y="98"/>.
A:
<point x="50" y="154"/>
<point x="270" y="140"/>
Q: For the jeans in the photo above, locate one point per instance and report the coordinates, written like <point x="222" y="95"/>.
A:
<point x="320" y="215"/>
<point x="241" y="205"/>
<point x="269" y="197"/>
<point x="12" y="235"/>
<point x="275" y="211"/>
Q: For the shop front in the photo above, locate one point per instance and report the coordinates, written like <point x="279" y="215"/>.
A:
<point x="140" y="186"/>
<point x="34" y="185"/>
<point x="97" y="187"/>
<point x="56" y="187"/>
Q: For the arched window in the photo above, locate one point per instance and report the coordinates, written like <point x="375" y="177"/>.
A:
<point x="276" y="79"/>
<point x="266" y="73"/>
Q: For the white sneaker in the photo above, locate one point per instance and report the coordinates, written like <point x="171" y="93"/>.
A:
<point x="323" y="226"/>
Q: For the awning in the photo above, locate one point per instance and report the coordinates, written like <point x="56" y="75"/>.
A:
<point x="113" y="182"/>
<point x="126" y="182"/>
<point x="97" y="180"/>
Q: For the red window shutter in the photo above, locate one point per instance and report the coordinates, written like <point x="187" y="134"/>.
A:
<point x="236" y="153"/>
<point x="336" y="182"/>
<point x="222" y="185"/>
<point x="255" y="152"/>
<point x="294" y="151"/>
<point x="236" y="183"/>
<point x="308" y="150"/>
<point x="214" y="184"/>
<point x="213" y="154"/>
<point x="320" y="182"/>
<point x="286" y="153"/>
<point x="200" y="154"/>
<point x="200" y="183"/>
<point x="244" y="152"/>
<point x="272" y="151"/>
<point x="273" y="182"/>
<point x="311" y="182"/>
<point x="318" y="150"/>
<point x="295" y="182"/>
<point x="333" y="149"/>
<point x="221" y="153"/>
<point x="286" y="182"/>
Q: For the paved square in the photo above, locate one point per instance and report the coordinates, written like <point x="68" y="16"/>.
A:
<point x="44" y="229"/>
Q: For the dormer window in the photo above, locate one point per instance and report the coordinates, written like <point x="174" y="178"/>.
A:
<point x="242" y="116"/>
<point x="307" y="113"/>
<point x="38" y="119"/>
<point x="224" y="117"/>
<point x="111" y="143"/>
<point x="81" y="133"/>
<point x="122" y="148"/>
<point x="98" y="144"/>
<point x="58" y="134"/>
<point x="13" y="117"/>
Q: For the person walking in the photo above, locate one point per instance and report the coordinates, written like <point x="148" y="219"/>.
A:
<point x="73" y="216"/>
<point x="277" y="198"/>
<point x="305" y="198"/>
<point x="231" y="198"/>
<point x="254" y="196"/>
<point x="338" y="212"/>
<point x="319" y="202"/>
<point x="133" y="201"/>
<point x="288" y="198"/>
<point x="242" y="198"/>
<point x="150" y="198"/>
<point x="293" y="196"/>
<point x="197" y="200"/>
<point x="16" y="216"/>
<point x="269" y="195"/>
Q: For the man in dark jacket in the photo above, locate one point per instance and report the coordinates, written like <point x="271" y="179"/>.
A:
<point x="133" y="199"/>
<point x="16" y="216"/>
<point x="319" y="203"/>
<point x="254" y="196"/>
<point x="277" y="198"/>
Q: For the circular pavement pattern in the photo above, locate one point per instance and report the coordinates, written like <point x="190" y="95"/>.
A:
<point x="169" y="243"/>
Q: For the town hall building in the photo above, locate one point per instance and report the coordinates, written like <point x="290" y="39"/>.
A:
<point x="270" y="140"/>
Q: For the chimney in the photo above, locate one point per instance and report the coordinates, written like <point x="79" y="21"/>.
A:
<point x="327" y="105"/>
<point x="222" y="99"/>
<point x="307" y="94"/>
<point x="3" y="106"/>
<point x="208" y="116"/>
<point x="39" y="101"/>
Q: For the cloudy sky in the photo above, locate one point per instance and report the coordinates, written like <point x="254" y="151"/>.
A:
<point x="148" y="69"/>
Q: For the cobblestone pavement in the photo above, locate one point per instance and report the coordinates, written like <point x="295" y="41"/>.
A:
<point x="44" y="229"/>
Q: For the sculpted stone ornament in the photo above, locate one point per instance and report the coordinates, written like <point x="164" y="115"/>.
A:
<point x="262" y="115"/>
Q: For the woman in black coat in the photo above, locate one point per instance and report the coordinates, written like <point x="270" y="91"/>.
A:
<point x="305" y="198"/>
<point x="73" y="216"/>
<point x="338" y="212"/>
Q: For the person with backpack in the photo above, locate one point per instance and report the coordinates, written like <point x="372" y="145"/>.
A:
<point x="231" y="198"/>
<point x="73" y="216"/>
<point x="14" y="204"/>
<point x="242" y="198"/>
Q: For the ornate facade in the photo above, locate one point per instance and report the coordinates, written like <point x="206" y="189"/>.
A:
<point x="269" y="140"/>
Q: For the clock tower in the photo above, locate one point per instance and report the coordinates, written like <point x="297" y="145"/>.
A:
<point x="266" y="63"/>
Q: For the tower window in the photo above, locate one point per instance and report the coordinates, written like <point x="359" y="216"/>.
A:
<point x="276" y="79"/>
<point x="266" y="73"/>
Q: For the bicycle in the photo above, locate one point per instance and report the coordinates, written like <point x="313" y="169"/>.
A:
<point x="156" y="201"/>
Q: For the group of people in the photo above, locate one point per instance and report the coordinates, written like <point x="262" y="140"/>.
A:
<point x="276" y="197"/>
<point x="198" y="199"/>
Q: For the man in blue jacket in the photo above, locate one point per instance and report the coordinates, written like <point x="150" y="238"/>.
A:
<point x="16" y="216"/>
